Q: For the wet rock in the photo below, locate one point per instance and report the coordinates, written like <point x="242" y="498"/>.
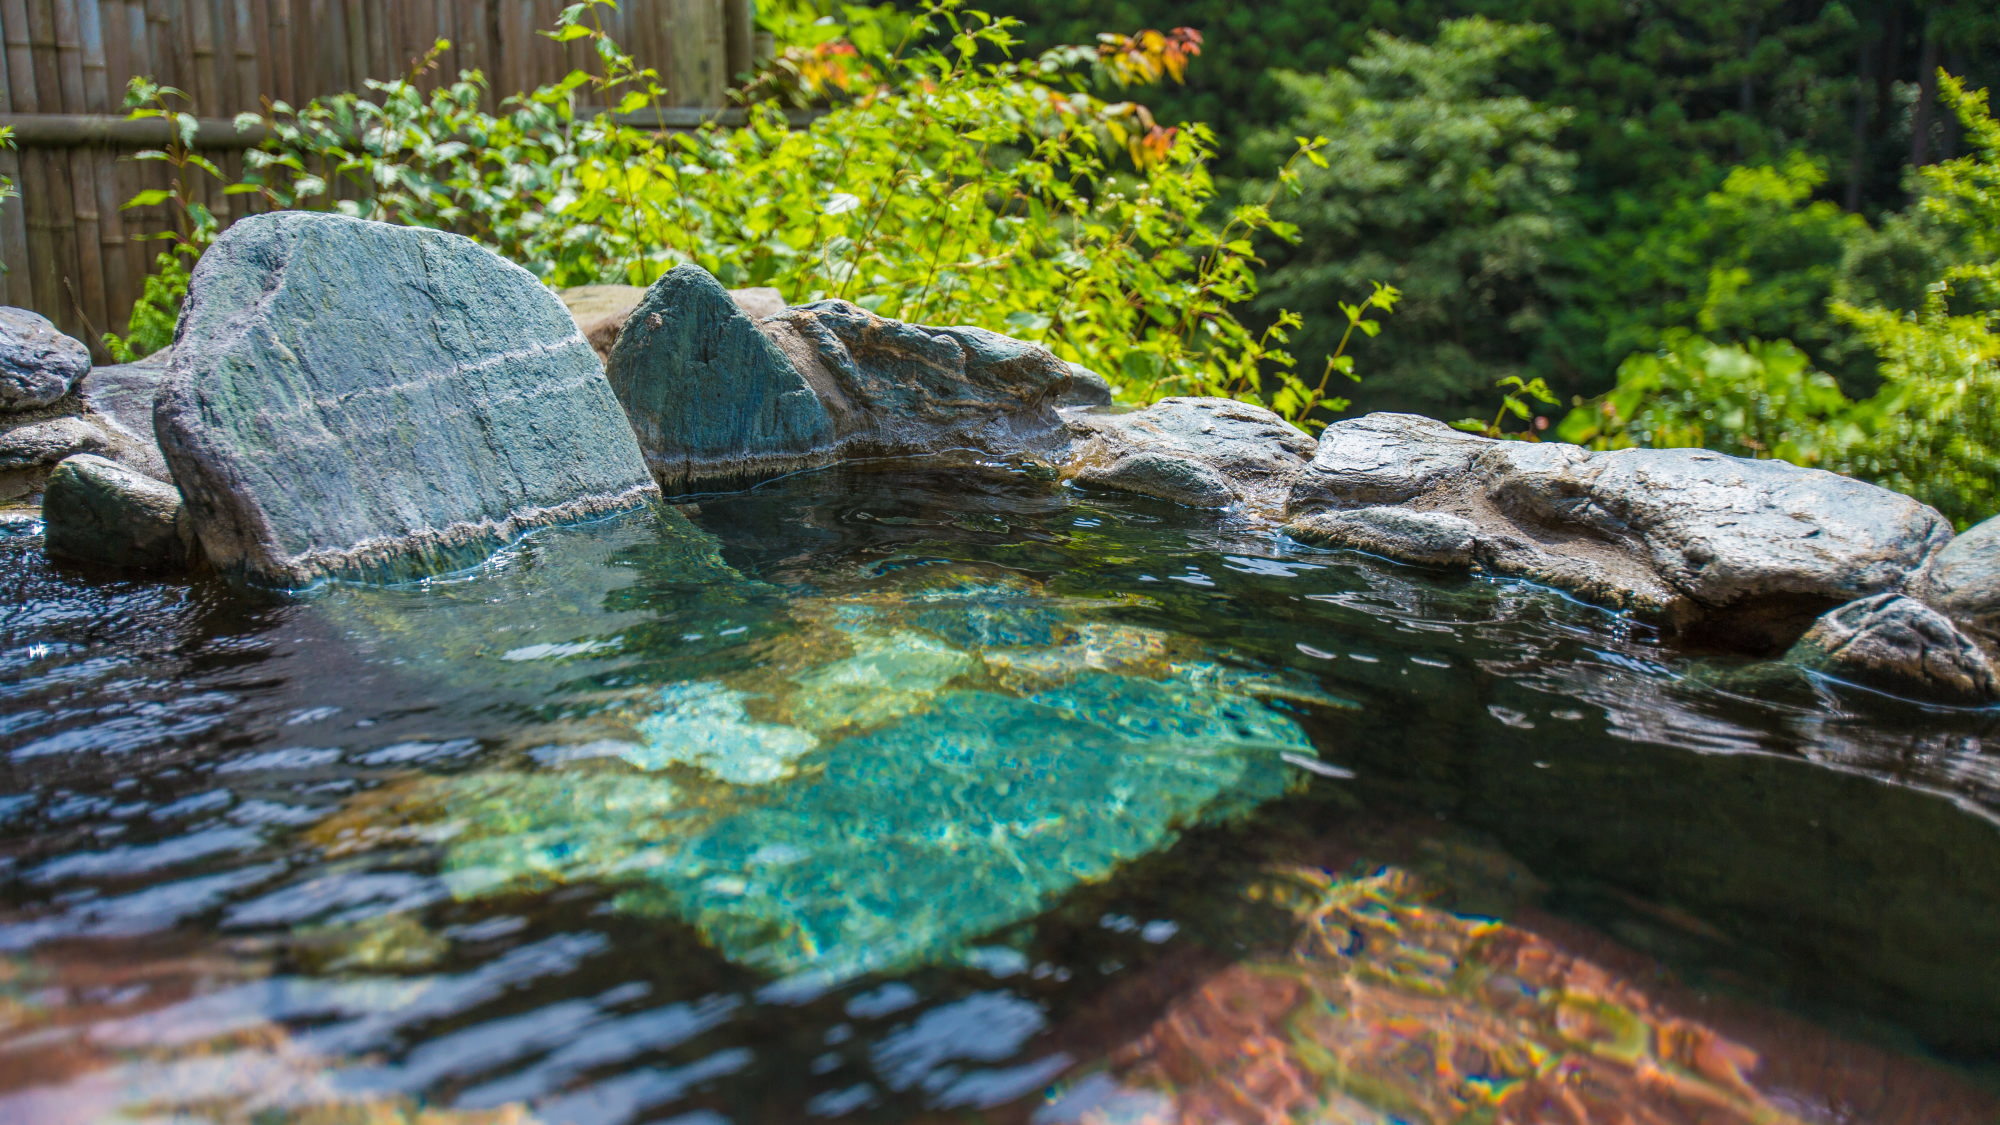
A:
<point x="1434" y="538"/>
<point x="716" y="396"/>
<point x="354" y="398"/>
<point x="38" y="364"/>
<point x="120" y="399"/>
<point x="1902" y="646"/>
<point x="1964" y="580"/>
<point x="1201" y="452"/>
<point x="98" y="511"/>
<point x="1749" y="550"/>
<point x="601" y="310"/>
<point x="47" y="441"/>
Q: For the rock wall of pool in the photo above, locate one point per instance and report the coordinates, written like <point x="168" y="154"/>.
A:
<point x="427" y="703"/>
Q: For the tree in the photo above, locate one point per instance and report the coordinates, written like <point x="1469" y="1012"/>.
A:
<point x="1440" y="182"/>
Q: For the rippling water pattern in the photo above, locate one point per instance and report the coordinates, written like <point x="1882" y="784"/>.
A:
<point x="934" y="793"/>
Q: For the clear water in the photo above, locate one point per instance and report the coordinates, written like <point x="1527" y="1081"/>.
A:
<point x="915" y="792"/>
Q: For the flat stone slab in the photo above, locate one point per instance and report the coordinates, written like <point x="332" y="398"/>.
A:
<point x="349" y="398"/>
<point x="1754" y="548"/>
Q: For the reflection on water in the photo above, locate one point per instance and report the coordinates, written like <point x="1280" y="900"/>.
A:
<point x="900" y="795"/>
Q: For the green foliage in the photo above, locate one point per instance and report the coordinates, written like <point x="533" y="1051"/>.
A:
<point x="1757" y="258"/>
<point x="1439" y="182"/>
<point x="958" y="184"/>
<point x="1756" y="398"/>
<point x="1932" y="429"/>
<point x="1517" y="399"/>
<point x="7" y="191"/>
<point x="150" y="327"/>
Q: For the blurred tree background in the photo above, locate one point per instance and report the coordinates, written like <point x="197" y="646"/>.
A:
<point x="1766" y="226"/>
<point x="1556" y="185"/>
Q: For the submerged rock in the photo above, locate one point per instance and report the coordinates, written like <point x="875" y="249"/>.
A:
<point x="98" y="511"/>
<point x="1201" y="452"/>
<point x="1902" y="646"/>
<point x="1751" y="550"/>
<point x="354" y="398"/>
<point x="717" y="396"/>
<point x="38" y="364"/>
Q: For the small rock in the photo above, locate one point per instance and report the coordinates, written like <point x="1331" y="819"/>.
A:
<point x="1964" y="580"/>
<point x="46" y="442"/>
<point x="1202" y="452"/>
<point x="1087" y="388"/>
<point x="38" y="364"/>
<point x="98" y="511"/>
<point x="600" y="311"/>
<point x="1433" y="538"/>
<point x="708" y="395"/>
<point x="359" y="399"/>
<point x="758" y="302"/>
<point x="1899" y="645"/>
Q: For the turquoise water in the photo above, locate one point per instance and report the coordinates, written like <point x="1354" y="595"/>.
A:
<point x="914" y="792"/>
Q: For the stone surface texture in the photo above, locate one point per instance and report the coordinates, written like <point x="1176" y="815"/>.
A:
<point x="353" y="398"/>
<point x="1433" y="538"/>
<point x="1964" y="581"/>
<point x="1201" y="452"/>
<point x="98" y="511"/>
<point x="717" y="396"/>
<point x="1755" y="548"/>
<point x="1900" y="645"/>
<point x="48" y="440"/>
<point x="120" y="399"/>
<point x="708" y="395"/>
<point x="38" y="364"/>
<point x="600" y="311"/>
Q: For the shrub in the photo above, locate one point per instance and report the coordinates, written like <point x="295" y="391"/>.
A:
<point x="948" y="183"/>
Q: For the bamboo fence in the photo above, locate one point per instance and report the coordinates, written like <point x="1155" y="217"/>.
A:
<point x="74" y="256"/>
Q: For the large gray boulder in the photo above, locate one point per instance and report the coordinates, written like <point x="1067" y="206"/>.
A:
<point x="1964" y="580"/>
<point x="716" y="396"/>
<point x="1898" y="644"/>
<point x="98" y="511"/>
<point x="1200" y="452"/>
<point x="1750" y="550"/>
<point x="38" y="364"/>
<point x="354" y="398"/>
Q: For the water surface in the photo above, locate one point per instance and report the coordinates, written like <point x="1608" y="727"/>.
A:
<point x="914" y="792"/>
